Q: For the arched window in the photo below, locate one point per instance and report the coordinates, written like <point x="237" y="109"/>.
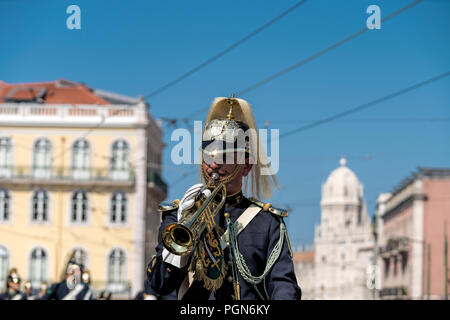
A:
<point x="80" y="255"/>
<point x="79" y="212"/>
<point x="118" y="212"/>
<point x="4" y="266"/>
<point x="120" y="160"/>
<point x="117" y="271"/>
<point x="4" y="205"/>
<point x="81" y="159"/>
<point x="359" y="215"/>
<point x="38" y="267"/>
<point x="5" y="157"/>
<point x="40" y="206"/>
<point x="42" y="159"/>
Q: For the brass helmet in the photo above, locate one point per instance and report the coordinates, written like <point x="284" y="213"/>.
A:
<point x="27" y="285"/>
<point x="230" y="128"/>
<point x="13" y="276"/>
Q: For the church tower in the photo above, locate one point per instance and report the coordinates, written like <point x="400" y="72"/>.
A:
<point x="343" y="241"/>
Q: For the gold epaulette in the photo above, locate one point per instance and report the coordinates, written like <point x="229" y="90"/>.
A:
<point x="268" y="207"/>
<point x="163" y="207"/>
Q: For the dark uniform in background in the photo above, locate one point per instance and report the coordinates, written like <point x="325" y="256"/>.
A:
<point x="28" y="291"/>
<point x="267" y="270"/>
<point x="13" y="291"/>
<point x="70" y="288"/>
<point x="60" y="291"/>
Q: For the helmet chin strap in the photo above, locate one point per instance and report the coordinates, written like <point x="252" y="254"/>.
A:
<point x="213" y="183"/>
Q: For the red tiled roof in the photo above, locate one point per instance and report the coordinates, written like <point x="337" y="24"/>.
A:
<point x="59" y="91"/>
<point x="304" y="257"/>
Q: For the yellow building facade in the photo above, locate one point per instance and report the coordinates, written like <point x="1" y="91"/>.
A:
<point x="83" y="179"/>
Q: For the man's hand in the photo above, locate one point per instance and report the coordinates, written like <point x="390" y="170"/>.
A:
<point x="188" y="199"/>
<point x="186" y="202"/>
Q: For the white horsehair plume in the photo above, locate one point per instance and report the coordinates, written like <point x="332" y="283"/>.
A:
<point x="260" y="183"/>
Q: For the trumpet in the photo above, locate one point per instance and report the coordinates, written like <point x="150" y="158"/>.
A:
<point x="179" y="238"/>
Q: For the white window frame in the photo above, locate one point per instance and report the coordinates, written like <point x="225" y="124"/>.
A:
<point x="4" y="265"/>
<point x="84" y="261"/>
<point x="82" y="172"/>
<point x="43" y="267"/>
<point x="42" y="170"/>
<point x="32" y="201"/>
<point x="6" y="157"/>
<point x="5" y="201"/>
<point x="78" y="220"/>
<point x="118" y="221"/>
<point x="121" y="285"/>
<point x="121" y="171"/>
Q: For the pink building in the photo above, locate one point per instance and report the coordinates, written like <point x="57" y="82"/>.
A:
<point x="412" y="222"/>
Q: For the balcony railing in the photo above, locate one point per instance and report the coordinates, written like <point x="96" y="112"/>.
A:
<point x="395" y="245"/>
<point x="49" y="174"/>
<point x="154" y="177"/>
<point x="394" y="293"/>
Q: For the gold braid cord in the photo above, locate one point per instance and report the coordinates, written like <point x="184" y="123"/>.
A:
<point x="208" y="262"/>
<point x="200" y="272"/>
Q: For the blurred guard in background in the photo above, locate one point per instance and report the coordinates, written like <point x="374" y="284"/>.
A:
<point x="42" y="289"/>
<point x="28" y="291"/>
<point x="13" y="287"/>
<point x="73" y="287"/>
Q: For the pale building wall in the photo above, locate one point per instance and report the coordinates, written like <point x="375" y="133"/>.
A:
<point x="343" y="241"/>
<point x="97" y="237"/>
<point x="395" y="271"/>
<point x="417" y="212"/>
<point x="436" y="218"/>
<point x="305" y="272"/>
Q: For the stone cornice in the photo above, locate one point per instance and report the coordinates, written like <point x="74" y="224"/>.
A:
<point x="82" y="116"/>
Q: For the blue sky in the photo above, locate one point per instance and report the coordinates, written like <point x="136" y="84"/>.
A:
<point x="134" y="47"/>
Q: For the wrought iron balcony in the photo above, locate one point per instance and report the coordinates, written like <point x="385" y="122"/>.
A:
<point x="395" y="246"/>
<point x="394" y="293"/>
<point x="92" y="176"/>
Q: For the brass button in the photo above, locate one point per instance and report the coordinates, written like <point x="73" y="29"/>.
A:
<point x="226" y="215"/>
<point x="230" y="279"/>
<point x="168" y="269"/>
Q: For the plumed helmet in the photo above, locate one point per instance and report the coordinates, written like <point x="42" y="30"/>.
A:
<point x="230" y="127"/>
<point x="74" y="263"/>
<point x="13" y="276"/>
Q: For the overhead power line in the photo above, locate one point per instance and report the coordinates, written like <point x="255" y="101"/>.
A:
<point x="366" y="120"/>
<point x="311" y="58"/>
<point x="366" y="105"/>
<point x="322" y="52"/>
<point x="223" y="52"/>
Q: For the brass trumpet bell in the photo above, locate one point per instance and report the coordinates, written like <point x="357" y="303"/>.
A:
<point x="179" y="238"/>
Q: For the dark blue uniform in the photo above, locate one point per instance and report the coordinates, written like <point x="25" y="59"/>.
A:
<point x="60" y="291"/>
<point x="13" y="296"/>
<point x="256" y="242"/>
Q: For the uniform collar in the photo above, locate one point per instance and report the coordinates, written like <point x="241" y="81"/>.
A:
<point x="232" y="200"/>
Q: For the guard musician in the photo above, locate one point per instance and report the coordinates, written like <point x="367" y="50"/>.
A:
<point x="241" y="248"/>
<point x="13" y="291"/>
<point x="74" y="287"/>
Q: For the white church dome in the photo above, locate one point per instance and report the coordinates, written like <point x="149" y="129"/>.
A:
<point x="342" y="186"/>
